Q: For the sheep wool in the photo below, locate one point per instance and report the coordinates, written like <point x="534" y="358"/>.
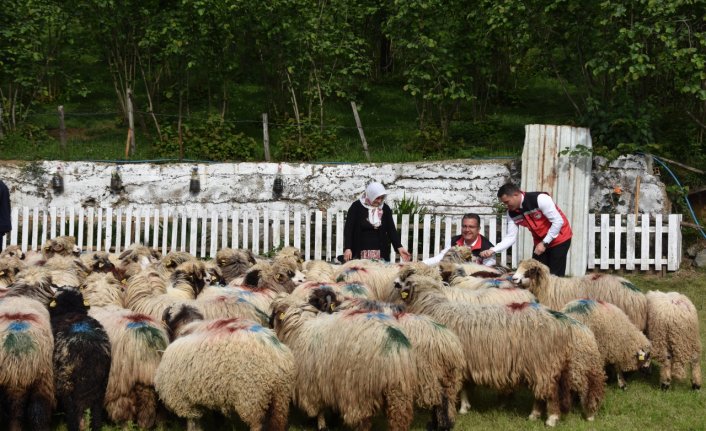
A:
<point x="673" y="328"/>
<point x="555" y="292"/>
<point x="354" y="364"/>
<point x="26" y="371"/>
<point x="136" y="343"/>
<point x="622" y="345"/>
<point x="81" y="359"/>
<point x="231" y="366"/>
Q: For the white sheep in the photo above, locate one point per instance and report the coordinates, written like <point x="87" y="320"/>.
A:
<point x="622" y="345"/>
<point x="355" y="364"/>
<point x="673" y="328"/>
<point x="555" y="292"/>
<point x="521" y="343"/>
<point x="319" y="271"/>
<point x="227" y="365"/>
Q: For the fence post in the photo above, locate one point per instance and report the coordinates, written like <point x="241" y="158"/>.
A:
<point x="265" y="137"/>
<point x="62" y="129"/>
<point x="360" y="130"/>
<point x="130" y="144"/>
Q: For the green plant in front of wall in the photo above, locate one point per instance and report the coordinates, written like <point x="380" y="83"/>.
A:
<point x="305" y="142"/>
<point x="409" y="206"/>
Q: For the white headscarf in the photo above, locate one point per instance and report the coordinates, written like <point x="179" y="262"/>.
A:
<point x="372" y="192"/>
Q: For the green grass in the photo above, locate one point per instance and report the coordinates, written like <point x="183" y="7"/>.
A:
<point x="643" y="406"/>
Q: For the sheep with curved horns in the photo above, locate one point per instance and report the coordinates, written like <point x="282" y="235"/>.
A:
<point x="234" y="262"/>
<point x="673" y="328"/>
<point x="228" y="365"/>
<point x="81" y="359"/>
<point x="555" y="292"/>
<point x="355" y="364"/>
<point x="487" y="295"/>
<point x="136" y="343"/>
<point x="61" y="246"/>
<point x="622" y="345"/>
<point x="26" y="371"/>
<point x="520" y="343"/>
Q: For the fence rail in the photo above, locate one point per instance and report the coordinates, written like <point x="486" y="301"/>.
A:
<point x="320" y="233"/>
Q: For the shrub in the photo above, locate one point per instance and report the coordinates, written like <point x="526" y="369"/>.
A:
<point x="309" y="143"/>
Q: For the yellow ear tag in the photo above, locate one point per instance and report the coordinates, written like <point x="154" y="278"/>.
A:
<point x="641" y="356"/>
<point x="404" y="295"/>
<point x="281" y="316"/>
<point x="2" y="273"/>
<point x="86" y="303"/>
<point x="100" y="265"/>
<point x="123" y="281"/>
<point x="333" y="307"/>
<point x="52" y="304"/>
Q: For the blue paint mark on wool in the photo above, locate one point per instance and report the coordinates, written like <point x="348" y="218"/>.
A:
<point x="494" y="282"/>
<point x="381" y="316"/>
<point x="81" y="327"/>
<point x="136" y="325"/>
<point x="256" y="328"/>
<point x="18" y="326"/>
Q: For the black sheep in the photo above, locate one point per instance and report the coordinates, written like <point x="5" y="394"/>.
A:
<point x="81" y="358"/>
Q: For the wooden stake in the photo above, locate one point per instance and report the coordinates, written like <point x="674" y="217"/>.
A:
<point x="131" y="123"/>
<point x="360" y="130"/>
<point x="637" y="196"/>
<point x="265" y="137"/>
<point x="62" y="129"/>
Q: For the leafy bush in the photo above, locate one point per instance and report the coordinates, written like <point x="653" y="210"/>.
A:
<point x="212" y="139"/>
<point x="408" y="206"/>
<point x="309" y="143"/>
<point x="27" y="136"/>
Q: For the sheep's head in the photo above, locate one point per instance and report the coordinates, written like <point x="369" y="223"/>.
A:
<point x="13" y="251"/>
<point x="234" y="262"/>
<point x="68" y="300"/>
<point x="9" y="267"/>
<point x="281" y="310"/>
<point x="192" y="272"/>
<point x="61" y="246"/>
<point x="407" y="287"/>
<point x="291" y="252"/>
<point x="458" y="254"/>
<point x="277" y="277"/>
<point x="214" y="275"/>
<point x="99" y="262"/>
<point x="450" y="270"/>
<point x="176" y="317"/>
<point x="530" y="271"/>
<point x="176" y="258"/>
<point x="324" y="299"/>
<point x="138" y="253"/>
<point x="643" y="359"/>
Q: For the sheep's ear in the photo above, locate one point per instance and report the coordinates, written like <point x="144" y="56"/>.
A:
<point x="165" y="314"/>
<point x="155" y="254"/>
<point x="251" y="257"/>
<point x="124" y="254"/>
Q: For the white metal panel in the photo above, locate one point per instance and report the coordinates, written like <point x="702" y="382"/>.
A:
<point x="617" y="241"/>
<point x="194" y="215"/>
<point x="605" y="241"/>
<point x="118" y="229"/>
<point x="214" y="234"/>
<point x="79" y="240"/>
<point x="318" y="229"/>
<point x="100" y="234"/>
<point x="567" y="179"/>
<point x="307" y="234"/>
<point x="184" y="221"/>
<point x="404" y="237"/>
<point x="285" y="222"/>
<point x="148" y="223"/>
<point x="62" y="218"/>
<point x="90" y="226"/>
<point x="298" y="231"/>
<point x="224" y="231"/>
<point x="645" y="243"/>
<point x="175" y="229"/>
<point x="234" y="230"/>
<point x="329" y="233"/>
<point x="165" y="228"/>
<point x="674" y="244"/>
<point x="591" y="241"/>
<point x="427" y="235"/>
<point x="246" y="231"/>
<point x="25" y="228"/>
<point x="256" y="232"/>
<point x="72" y="219"/>
<point x="108" y="228"/>
<point x="393" y="254"/>
<point x="659" y="231"/>
<point x="630" y="243"/>
<point x="155" y="230"/>
<point x="35" y="228"/>
<point x="265" y="231"/>
<point x="52" y="220"/>
<point x="340" y="224"/>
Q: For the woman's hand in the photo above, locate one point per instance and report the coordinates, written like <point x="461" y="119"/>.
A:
<point x="347" y="254"/>
<point x="404" y="254"/>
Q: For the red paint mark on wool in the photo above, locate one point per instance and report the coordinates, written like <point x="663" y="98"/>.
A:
<point x="596" y="276"/>
<point x="19" y="316"/>
<point x="137" y="317"/>
<point x="354" y="312"/>
<point x="518" y="306"/>
<point x="230" y="325"/>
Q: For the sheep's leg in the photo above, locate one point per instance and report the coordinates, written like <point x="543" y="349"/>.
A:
<point x="621" y="379"/>
<point x="193" y="425"/>
<point x="74" y="416"/>
<point x="321" y="422"/>
<point x="444" y="415"/>
<point x="537" y="409"/>
<point x="553" y="411"/>
<point x="696" y="373"/>
<point x="277" y="412"/>
<point x="97" y="414"/>
<point x="400" y="410"/>
<point x="465" y="403"/>
<point x="16" y="407"/>
<point x="665" y="373"/>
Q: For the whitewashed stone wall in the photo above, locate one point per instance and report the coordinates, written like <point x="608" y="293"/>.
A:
<point x="449" y="187"/>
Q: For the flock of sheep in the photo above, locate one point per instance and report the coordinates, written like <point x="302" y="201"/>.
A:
<point x="128" y="335"/>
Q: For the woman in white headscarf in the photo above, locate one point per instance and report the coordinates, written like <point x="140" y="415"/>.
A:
<point x="369" y="228"/>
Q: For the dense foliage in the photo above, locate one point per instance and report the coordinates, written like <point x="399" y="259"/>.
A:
<point x="635" y="72"/>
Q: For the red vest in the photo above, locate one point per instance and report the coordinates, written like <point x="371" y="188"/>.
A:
<point x="530" y="216"/>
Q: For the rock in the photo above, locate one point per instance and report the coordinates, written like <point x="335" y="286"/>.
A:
<point x="700" y="259"/>
<point x="694" y="249"/>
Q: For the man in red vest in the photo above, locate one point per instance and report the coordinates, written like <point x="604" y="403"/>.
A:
<point x="549" y="227"/>
<point x="470" y="237"/>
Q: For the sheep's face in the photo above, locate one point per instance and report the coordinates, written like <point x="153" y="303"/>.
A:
<point x="280" y="312"/>
<point x="175" y="318"/>
<point x="68" y="300"/>
<point x="643" y="359"/>
<point x="8" y="270"/>
<point x="214" y="276"/>
<point x="140" y="255"/>
<point x="406" y="288"/>
<point x="192" y="272"/>
<point x="528" y="271"/>
<point x="62" y="246"/>
<point x="324" y="299"/>
<point x="13" y="251"/>
<point x="450" y="270"/>
<point x="100" y="262"/>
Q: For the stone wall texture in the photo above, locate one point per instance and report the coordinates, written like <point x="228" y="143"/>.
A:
<point x="446" y="187"/>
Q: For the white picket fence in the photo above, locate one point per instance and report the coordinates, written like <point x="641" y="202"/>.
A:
<point x="318" y="233"/>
